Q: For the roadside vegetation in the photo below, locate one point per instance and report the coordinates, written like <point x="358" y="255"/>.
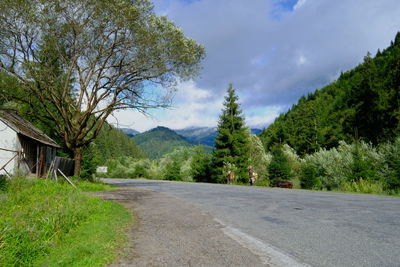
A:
<point x="44" y="223"/>
<point x="357" y="166"/>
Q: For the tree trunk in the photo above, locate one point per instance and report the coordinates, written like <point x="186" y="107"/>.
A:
<point x="78" y="161"/>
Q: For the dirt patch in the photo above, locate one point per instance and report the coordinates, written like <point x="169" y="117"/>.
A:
<point x="170" y="232"/>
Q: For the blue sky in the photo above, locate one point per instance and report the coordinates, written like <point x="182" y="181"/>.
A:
<point x="273" y="51"/>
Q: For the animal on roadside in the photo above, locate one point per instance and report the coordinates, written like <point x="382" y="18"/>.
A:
<point x="284" y="184"/>
<point x="252" y="175"/>
<point x="230" y="177"/>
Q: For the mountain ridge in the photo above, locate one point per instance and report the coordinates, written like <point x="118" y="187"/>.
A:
<point x="159" y="141"/>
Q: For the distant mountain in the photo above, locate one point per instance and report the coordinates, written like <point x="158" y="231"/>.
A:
<point x="129" y="132"/>
<point x="255" y="131"/>
<point x="199" y="135"/>
<point x="160" y="141"/>
<point x="205" y="135"/>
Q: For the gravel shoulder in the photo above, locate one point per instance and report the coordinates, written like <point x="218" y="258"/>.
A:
<point x="170" y="232"/>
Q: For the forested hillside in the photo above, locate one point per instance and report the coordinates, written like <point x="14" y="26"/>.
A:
<point x="364" y="103"/>
<point x="113" y="143"/>
<point x="160" y="141"/>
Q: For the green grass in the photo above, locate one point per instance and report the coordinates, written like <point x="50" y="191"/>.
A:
<point x="363" y="186"/>
<point x="93" y="187"/>
<point x="48" y="224"/>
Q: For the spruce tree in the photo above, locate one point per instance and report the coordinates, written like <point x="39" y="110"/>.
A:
<point x="232" y="143"/>
<point x="279" y="167"/>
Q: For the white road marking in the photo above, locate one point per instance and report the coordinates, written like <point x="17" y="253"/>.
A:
<point x="268" y="254"/>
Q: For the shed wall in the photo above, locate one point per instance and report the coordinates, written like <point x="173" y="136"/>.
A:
<point x="8" y="140"/>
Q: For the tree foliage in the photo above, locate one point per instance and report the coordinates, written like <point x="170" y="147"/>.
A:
<point x="279" y="168"/>
<point x="392" y="162"/>
<point x="201" y="165"/>
<point x="258" y="157"/>
<point x="82" y="60"/>
<point x="232" y="143"/>
<point x="173" y="171"/>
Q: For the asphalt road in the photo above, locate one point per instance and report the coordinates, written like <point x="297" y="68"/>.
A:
<point x="314" y="228"/>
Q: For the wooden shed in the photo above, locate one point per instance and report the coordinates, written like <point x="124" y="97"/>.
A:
<point x="24" y="148"/>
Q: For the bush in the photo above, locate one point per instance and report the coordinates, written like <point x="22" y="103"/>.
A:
<point x="259" y="159"/>
<point x="201" y="165"/>
<point x="309" y="178"/>
<point x="173" y="171"/>
<point x="345" y="163"/>
<point x="262" y="182"/>
<point x="362" y="166"/>
<point x="391" y="169"/>
<point x="140" y="172"/>
<point x="279" y="168"/>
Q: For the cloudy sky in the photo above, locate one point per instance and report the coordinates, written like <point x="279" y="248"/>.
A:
<point x="273" y="51"/>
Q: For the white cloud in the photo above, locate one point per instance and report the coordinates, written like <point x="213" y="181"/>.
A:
<point x="272" y="62"/>
<point x="193" y="107"/>
<point x="261" y="118"/>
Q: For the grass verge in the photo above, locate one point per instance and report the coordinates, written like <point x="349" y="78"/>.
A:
<point x="93" y="187"/>
<point x="43" y="223"/>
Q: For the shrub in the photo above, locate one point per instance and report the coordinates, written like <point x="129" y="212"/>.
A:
<point x="140" y="171"/>
<point x="279" y="168"/>
<point x="309" y="177"/>
<point x="362" y="166"/>
<point x="259" y="159"/>
<point x="294" y="161"/>
<point x="391" y="169"/>
<point x="262" y="182"/>
<point x="347" y="162"/>
<point x="201" y="165"/>
<point x="173" y="171"/>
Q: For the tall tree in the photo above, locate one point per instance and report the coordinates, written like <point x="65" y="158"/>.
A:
<point x="232" y="143"/>
<point x="82" y="60"/>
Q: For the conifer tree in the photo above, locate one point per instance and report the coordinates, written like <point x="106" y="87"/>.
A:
<point x="232" y="143"/>
<point x="279" y="168"/>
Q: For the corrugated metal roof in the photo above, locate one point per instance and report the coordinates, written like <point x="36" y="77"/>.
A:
<point x="21" y="126"/>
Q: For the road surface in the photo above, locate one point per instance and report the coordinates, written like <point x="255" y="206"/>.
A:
<point x="297" y="226"/>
